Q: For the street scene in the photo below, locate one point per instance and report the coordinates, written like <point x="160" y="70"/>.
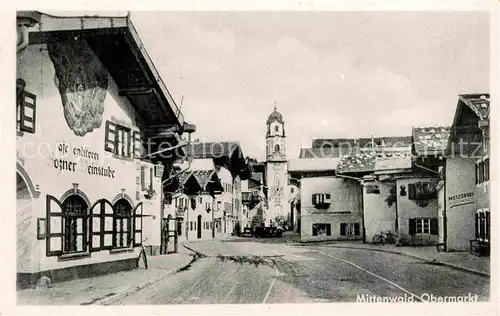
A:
<point x="222" y="157"/>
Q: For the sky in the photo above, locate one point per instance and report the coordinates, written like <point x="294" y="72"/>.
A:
<point x="331" y="74"/>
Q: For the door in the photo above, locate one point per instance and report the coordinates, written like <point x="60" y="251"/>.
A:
<point x="198" y="226"/>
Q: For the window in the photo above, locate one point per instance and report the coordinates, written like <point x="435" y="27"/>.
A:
<point x="277" y="148"/>
<point x="74" y="215"/>
<point x="200" y="199"/>
<point x="179" y="228"/>
<point x="349" y="229"/>
<point x="190" y="225"/>
<point x="321" y="199"/>
<point x="122" y="141"/>
<point x="193" y="203"/>
<point x="483" y="171"/>
<point x="26" y="112"/>
<point x="207" y="206"/>
<point x="194" y="225"/>
<point x="122" y="224"/>
<point x="219" y="205"/>
<point x="276" y="128"/>
<point x="423" y="226"/>
<point x="321" y="230"/>
<point x="483" y="225"/>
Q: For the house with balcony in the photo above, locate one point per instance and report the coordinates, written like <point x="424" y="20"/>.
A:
<point x="88" y="188"/>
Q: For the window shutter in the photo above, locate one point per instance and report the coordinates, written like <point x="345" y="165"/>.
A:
<point x="138" y="225"/>
<point x="486" y="169"/>
<point x="110" y="142"/>
<point x="481" y="172"/>
<point x="343" y="227"/>
<point x="137" y="144"/>
<point x="356" y="229"/>
<point x="54" y="235"/>
<point x="477" y="173"/>
<point x="108" y="229"/>
<point x="97" y="227"/>
<point x="476" y="221"/>
<point x="328" y="229"/>
<point x="315" y="230"/>
<point x="143" y="178"/>
<point x="412" y="226"/>
<point x="434" y="226"/>
<point x="487" y="223"/>
<point x="151" y="176"/>
<point x="28" y="113"/>
<point x="412" y="191"/>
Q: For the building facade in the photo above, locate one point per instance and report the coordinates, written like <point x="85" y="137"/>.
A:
<point x="465" y="212"/>
<point x="88" y="192"/>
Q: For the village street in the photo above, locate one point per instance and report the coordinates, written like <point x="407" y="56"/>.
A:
<point x="250" y="270"/>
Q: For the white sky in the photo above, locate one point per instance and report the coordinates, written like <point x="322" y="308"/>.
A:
<point x="332" y="74"/>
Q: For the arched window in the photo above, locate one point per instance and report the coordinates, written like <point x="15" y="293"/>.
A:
<point x="122" y="222"/>
<point x="276" y="128"/>
<point x="74" y="215"/>
<point x="277" y="148"/>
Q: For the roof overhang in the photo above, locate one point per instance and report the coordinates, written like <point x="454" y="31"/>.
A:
<point x="116" y="43"/>
<point x="464" y="138"/>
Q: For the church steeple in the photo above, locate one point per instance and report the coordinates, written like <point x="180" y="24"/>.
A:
<point x="275" y="137"/>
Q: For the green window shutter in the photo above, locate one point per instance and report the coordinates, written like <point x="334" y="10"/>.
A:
<point x="434" y="226"/>
<point x="412" y="226"/>
<point x="54" y="235"/>
<point x="356" y="229"/>
<point x="412" y="191"/>
<point x="138" y="225"/>
<point x="111" y="136"/>
<point x="343" y="227"/>
<point x="28" y="112"/>
<point x="97" y="227"/>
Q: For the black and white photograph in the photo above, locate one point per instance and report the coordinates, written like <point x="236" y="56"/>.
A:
<point x="201" y="157"/>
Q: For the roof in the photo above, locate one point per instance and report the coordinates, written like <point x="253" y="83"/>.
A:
<point x="479" y="103"/>
<point x="213" y="149"/>
<point x="393" y="160"/>
<point x="275" y="116"/>
<point x="430" y="139"/>
<point x="360" y="162"/>
<point x="324" y="152"/>
<point x="313" y="164"/>
<point x="387" y="141"/>
<point x="227" y="154"/>
<point x="204" y="176"/>
<point x="117" y="44"/>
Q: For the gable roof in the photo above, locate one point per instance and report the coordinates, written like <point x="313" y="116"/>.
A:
<point x="430" y="140"/>
<point x="322" y="152"/>
<point x="360" y="162"/>
<point x="387" y="141"/>
<point x="478" y="103"/>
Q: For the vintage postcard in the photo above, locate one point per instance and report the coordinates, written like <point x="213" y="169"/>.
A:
<point x="295" y="156"/>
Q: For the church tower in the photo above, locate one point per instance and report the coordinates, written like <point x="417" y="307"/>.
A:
<point x="276" y="165"/>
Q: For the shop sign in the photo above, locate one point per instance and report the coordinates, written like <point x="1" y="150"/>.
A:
<point x="81" y="159"/>
<point x="461" y="199"/>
